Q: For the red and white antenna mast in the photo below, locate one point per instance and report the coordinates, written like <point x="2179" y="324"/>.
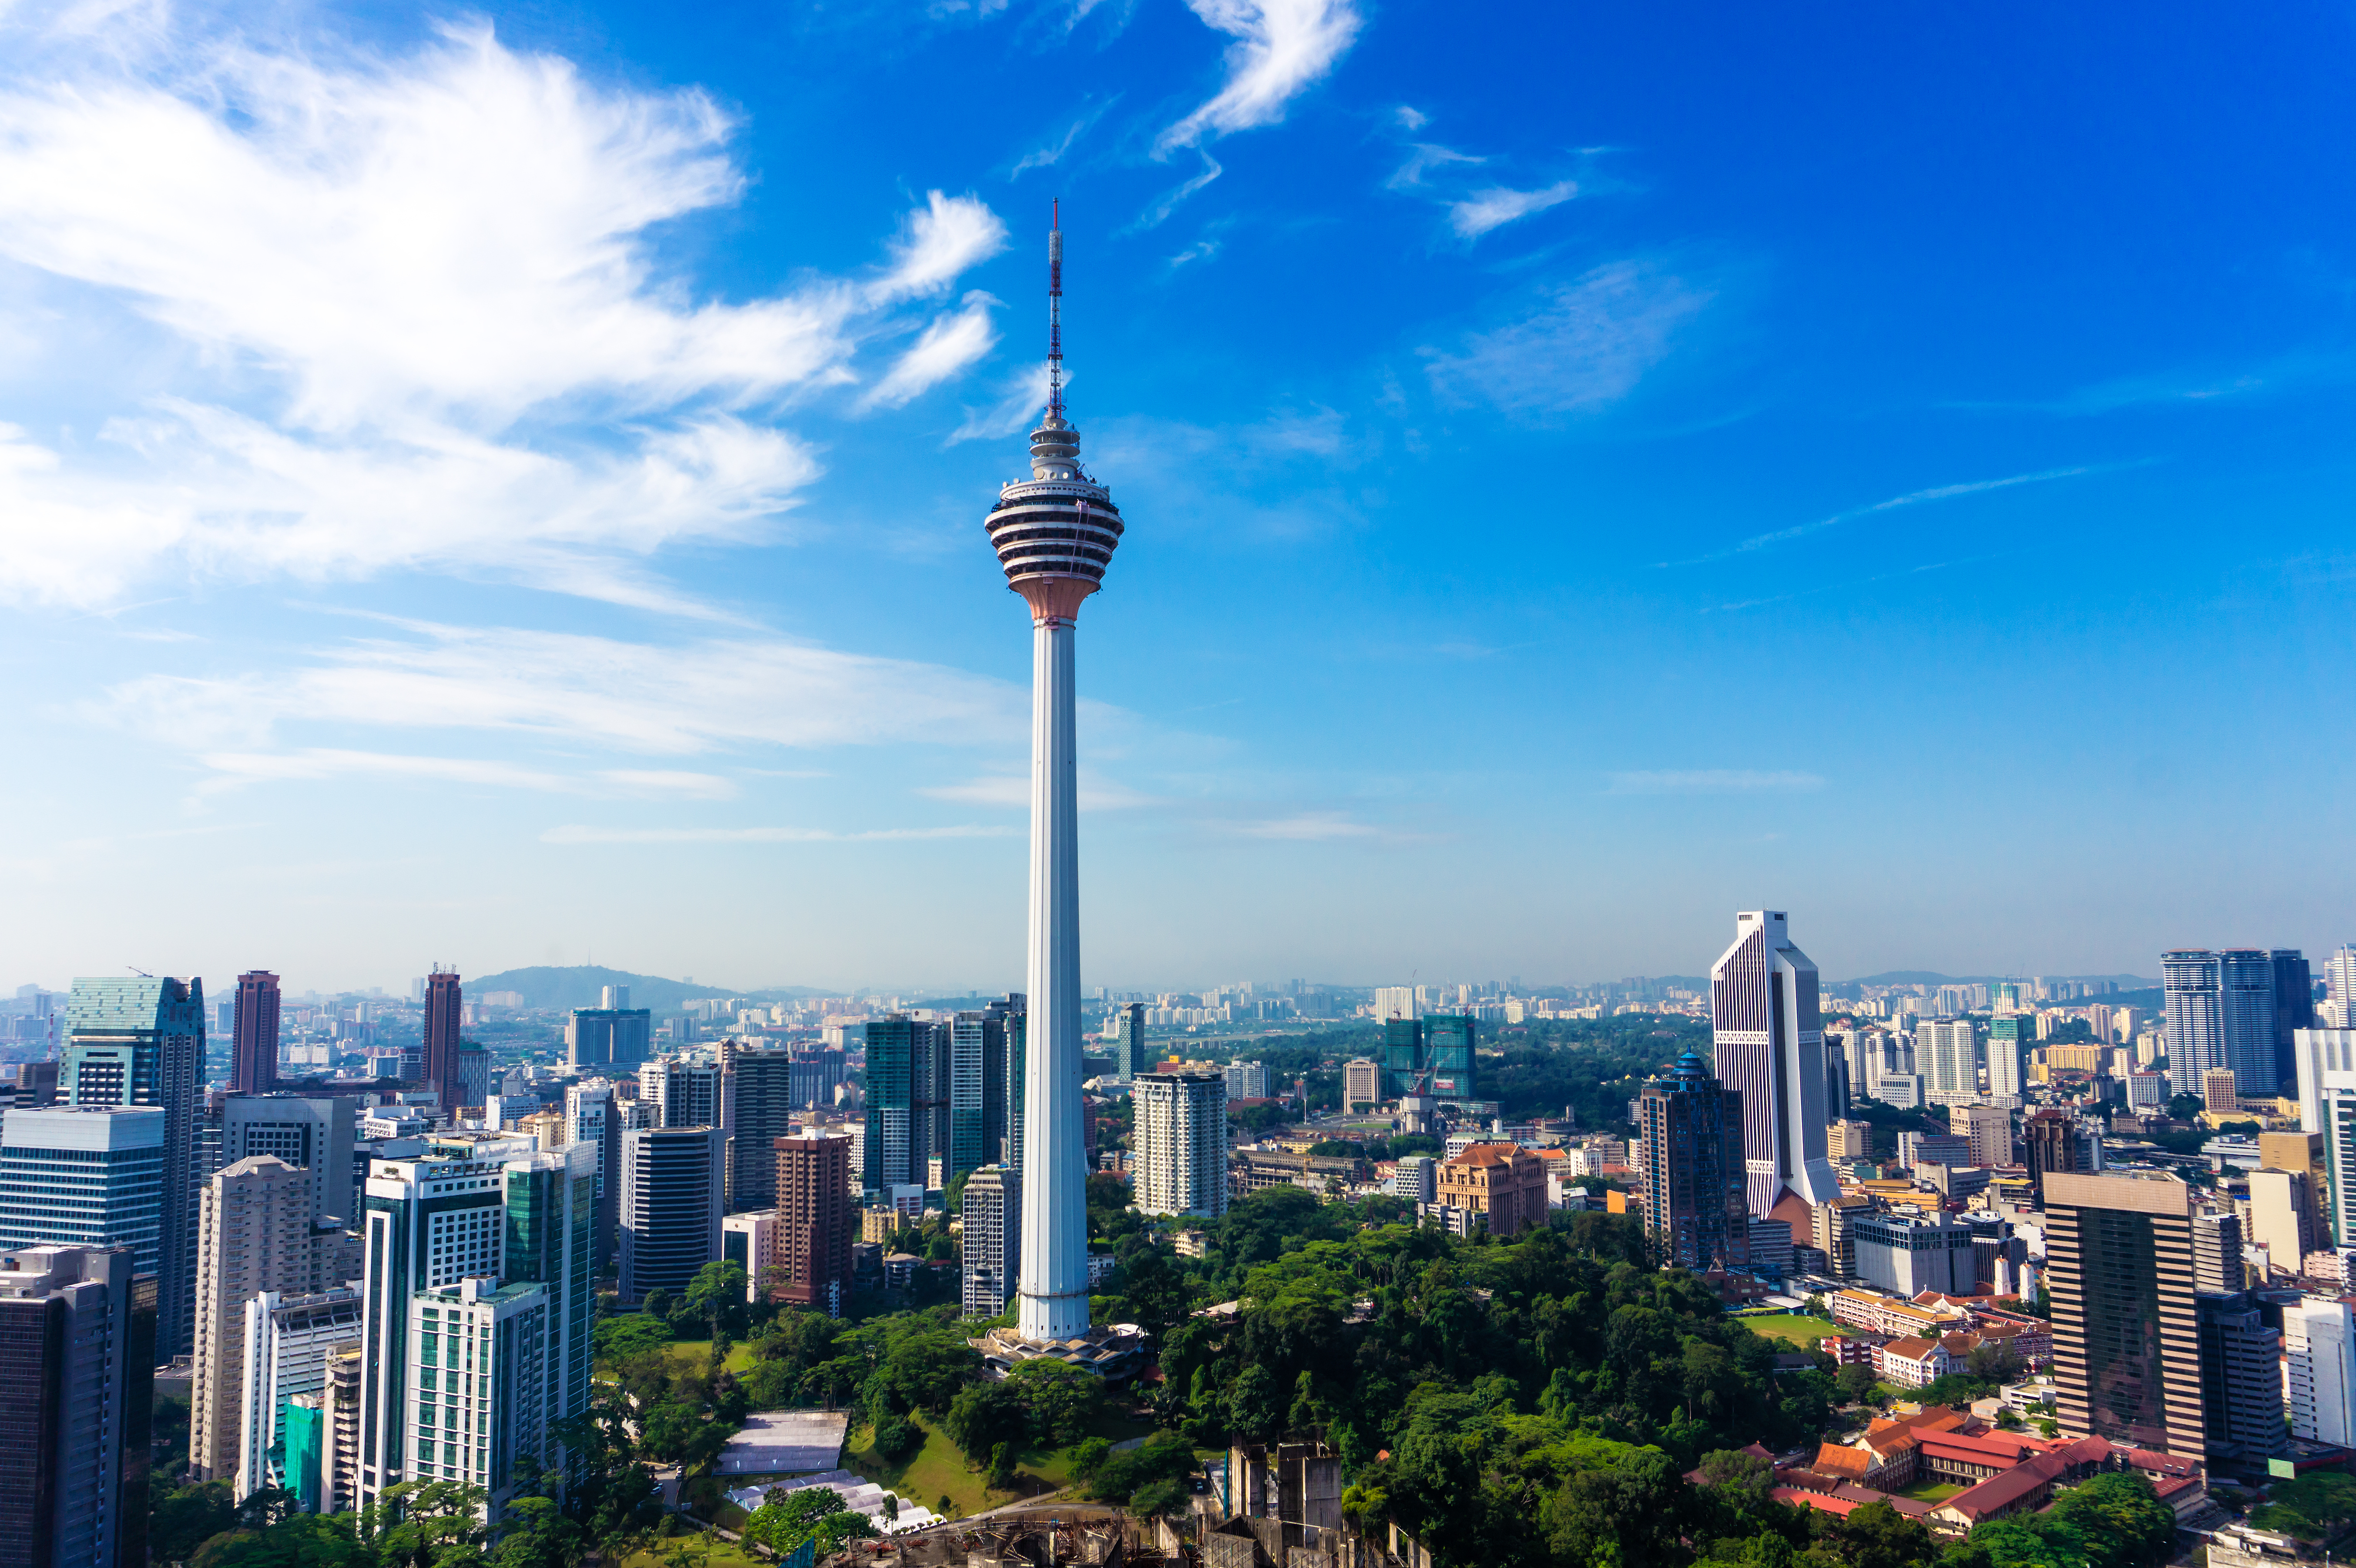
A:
<point x="1056" y="314"/>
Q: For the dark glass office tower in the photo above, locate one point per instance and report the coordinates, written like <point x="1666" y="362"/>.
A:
<point x="764" y="1105"/>
<point x="141" y="1042"/>
<point x="1402" y="1056"/>
<point x="2294" y="1010"/>
<point x="253" y="1055"/>
<point x="1767" y="1040"/>
<point x="1449" y="1056"/>
<point x="1694" y="1207"/>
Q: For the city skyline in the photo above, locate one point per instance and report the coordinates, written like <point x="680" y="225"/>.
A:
<point x="1503" y="417"/>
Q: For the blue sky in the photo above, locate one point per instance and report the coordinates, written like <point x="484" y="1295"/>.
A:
<point x="505" y="486"/>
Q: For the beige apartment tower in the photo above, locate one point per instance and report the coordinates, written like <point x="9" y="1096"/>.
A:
<point x="254" y="1233"/>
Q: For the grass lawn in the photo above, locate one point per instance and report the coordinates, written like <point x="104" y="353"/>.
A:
<point x="1054" y="1466"/>
<point x="1800" y="1330"/>
<point x="725" y="1554"/>
<point x="937" y="1470"/>
<point x="696" y="1352"/>
<point x="1931" y="1491"/>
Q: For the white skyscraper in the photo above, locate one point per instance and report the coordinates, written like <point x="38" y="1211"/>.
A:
<point x="1180" y="1133"/>
<point x="1054" y="534"/>
<point x="2338" y="1009"/>
<point x="1950" y="1069"/>
<point x="2320" y="1370"/>
<point x="2327" y="1104"/>
<point x="1769" y="1043"/>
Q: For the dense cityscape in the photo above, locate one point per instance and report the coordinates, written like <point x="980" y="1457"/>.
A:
<point x="1935" y="1264"/>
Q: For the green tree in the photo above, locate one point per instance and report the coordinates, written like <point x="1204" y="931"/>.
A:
<point x="987" y="1417"/>
<point x="716" y="1295"/>
<point x="1061" y="1399"/>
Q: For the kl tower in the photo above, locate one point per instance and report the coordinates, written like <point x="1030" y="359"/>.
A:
<point x="1054" y="534"/>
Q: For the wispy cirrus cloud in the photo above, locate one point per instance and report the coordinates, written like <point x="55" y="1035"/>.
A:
<point x="1585" y="345"/>
<point x="1896" y="503"/>
<point x="423" y="278"/>
<point x="1421" y="159"/>
<point x="1025" y="399"/>
<point x="954" y="340"/>
<point x="1283" y="48"/>
<point x="1167" y="203"/>
<point x="1306" y="826"/>
<point x="578" y="834"/>
<point x="312" y="765"/>
<point x="1012" y="791"/>
<point x="1496" y="207"/>
<point x="1713" y="781"/>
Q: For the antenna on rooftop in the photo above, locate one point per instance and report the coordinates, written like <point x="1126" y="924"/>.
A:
<point x="138" y="971"/>
<point x="1056" y="313"/>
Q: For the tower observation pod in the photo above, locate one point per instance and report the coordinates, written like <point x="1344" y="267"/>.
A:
<point x="1054" y="534"/>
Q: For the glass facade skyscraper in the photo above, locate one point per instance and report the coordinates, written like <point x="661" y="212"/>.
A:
<point x="1768" y="1038"/>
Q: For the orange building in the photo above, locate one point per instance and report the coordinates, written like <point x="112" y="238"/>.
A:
<point x="1504" y="1182"/>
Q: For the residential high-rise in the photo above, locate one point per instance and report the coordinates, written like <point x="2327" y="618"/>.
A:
<point x="609" y="1037"/>
<point x="1950" y="1058"/>
<point x="1988" y="1131"/>
<point x="2127" y="1341"/>
<point x="77" y="1350"/>
<point x="1246" y="1080"/>
<point x="991" y="1239"/>
<point x="438" y="1057"/>
<point x="593" y="1121"/>
<point x="1179" y="1143"/>
<point x="761" y="1105"/>
<point x="690" y="1091"/>
<point x="1694" y="1181"/>
<point x="312" y="1133"/>
<point x="2194" y="1027"/>
<point x="254" y="1053"/>
<point x="2319" y="1368"/>
<point x="2010" y="1041"/>
<point x="672" y="1183"/>
<point x="550" y="1241"/>
<point x="2282" y="1218"/>
<point x="2338" y="1007"/>
<point x="141" y="1042"/>
<point x="288" y="1342"/>
<point x="976" y="1066"/>
<point x="1005" y="1107"/>
<point x="256" y="1233"/>
<point x="2217" y="1251"/>
<point x="1768" y="1043"/>
<point x="1362" y="1084"/>
<point x="2246" y="981"/>
<point x="2049" y="1140"/>
<point x="1128" y="1050"/>
<point x="2241" y="1379"/>
<point x="86" y="1175"/>
<point x="480" y="1352"/>
<point x="2326" y="1105"/>
<point x="813" y="1210"/>
<point x="2222" y="1013"/>
<point x="900" y="1101"/>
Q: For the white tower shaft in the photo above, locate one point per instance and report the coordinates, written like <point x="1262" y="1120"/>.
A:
<point x="1055" y="1278"/>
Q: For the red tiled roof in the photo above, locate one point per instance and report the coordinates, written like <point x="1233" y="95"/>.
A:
<point x="1824" y="1501"/>
<point x="1911" y="1348"/>
<point x="2000" y="1491"/>
<point x="1835" y="1459"/>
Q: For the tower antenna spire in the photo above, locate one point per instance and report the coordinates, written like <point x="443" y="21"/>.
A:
<point x="1056" y="313"/>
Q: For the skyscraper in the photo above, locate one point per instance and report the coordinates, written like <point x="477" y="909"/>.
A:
<point x="2246" y="980"/>
<point x="550" y="1241"/>
<point x="255" y="1233"/>
<point x="1695" y="1205"/>
<point x="141" y="1042"/>
<point x="1450" y="1057"/>
<point x="2051" y="1139"/>
<point x="438" y="1056"/>
<point x="2010" y="1041"/>
<point x="1402" y="1055"/>
<point x="1054" y="534"/>
<point x="1950" y="1057"/>
<point x="2327" y="1104"/>
<point x="312" y="1133"/>
<point x="2221" y="1012"/>
<point x="813" y="1218"/>
<point x="976" y="1039"/>
<point x="75" y="1368"/>
<point x="253" y="1055"/>
<point x="2294" y="1009"/>
<point x="901" y="1105"/>
<point x="2319" y="1362"/>
<point x="2127" y="1341"/>
<point x="592" y="1120"/>
<point x="1988" y="1130"/>
<point x="761" y="1103"/>
<point x="289" y="1341"/>
<point x="992" y="1240"/>
<point x="1768" y="1043"/>
<point x="1179" y="1137"/>
<point x="672" y="1180"/>
<point x="1129" y="1043"/>
<point x="87" y="1176"/>
<point x="610" y="1036"/>
<point x="2241" y="1379"/>
<point x="2338" y="1009"/>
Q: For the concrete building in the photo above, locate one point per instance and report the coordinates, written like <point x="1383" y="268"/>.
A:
<point x="2282" y="1217"/>
<point x="612" y="1037"/>
<point x="1362" y="1083"/>
<point x="2327" y="1107"/>
<point x="141" y="1042"/>
<point x="2320" y="1370"/>
<point x="2221" y="1013"/>
<point x="1849" y="1140"/>
<point x="2217" y="1251"/>
<point x="77" y="1350"/>
<point x="437" y="1061"/>
<point x="673" y="1181"/>
<point x="254" y="1053"/>
<point x="1054" y="534"/>
<point x="1694" y="1175"/>
<point x="1907" y="1256"/>
<point x="1949" y="1053"/>
<point x="814" y="1213"/>
<point x="761" y="1095"/>
<point x="909" y="1068"/>
<point x="480" y="1352"/>
<point x="2010" y="1041"/>
<point x="593" y="1121"/>
<point x="314" y="1134"/>
<point x="1128" y="1050"/>
<point x="1987" y="1132"/>
<point x="1768" y="1044"/>
<point x="749" y="1240"/>
<point x="2220" y="1091"/>
<point x="2051" y="1144"/>
<point x="991" y="1240"/>
<point x="2241" y="1380"/>
<point x="1247" y="1081"/>
<point x="1415" y="1178"/>
<point x="1501" y="1185"/>
<point x="287" y="1342"/>
<point x="1916" y="1150"/>
<point x="1179" y="1138"/>
<point x="255" y="1235"/>
<point x="2126" y="1342"/>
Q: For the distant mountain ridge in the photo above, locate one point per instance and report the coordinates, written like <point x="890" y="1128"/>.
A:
<point x="581" y="985"/>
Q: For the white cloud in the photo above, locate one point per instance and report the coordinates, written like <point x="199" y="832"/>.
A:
<point x="356" y="278"/>
<point x="1159" y="213"/>
<point x="575" y="834"/>
<point x="231" y="769"/>
<point x="1423" y="157"/>
<point x="1308" y="826"/>
<point x="1025" y="399"/>
<point x="953" y="341"/>
<point x="564" y="687"/>
<point x="1713" y="781"/>
<point x="941" y="240"/>
<point x="1283" y="48"/>
<point x="1587" y="346"/>
<point x="1013" y="792"/>
<point x="1487" y="209"/>
<point x="669" y="782"/>
<point x="1411" y="118"/>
